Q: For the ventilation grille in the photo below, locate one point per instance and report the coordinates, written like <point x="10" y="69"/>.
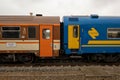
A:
<point x="73" y="19"/>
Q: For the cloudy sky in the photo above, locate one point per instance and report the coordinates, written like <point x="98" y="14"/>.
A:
<point x="60" y="7"/>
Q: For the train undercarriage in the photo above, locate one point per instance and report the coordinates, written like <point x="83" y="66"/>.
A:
<point x="102" y="57"/>
<point x="19" y="57"/>
<point x="30" y="57"/>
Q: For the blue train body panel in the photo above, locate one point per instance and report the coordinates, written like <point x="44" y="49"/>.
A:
<point x="97" y="34"/>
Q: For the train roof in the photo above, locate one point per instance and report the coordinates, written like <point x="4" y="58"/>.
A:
<point x="29" y="19"/>
<point x="93" y="19"/>
<point x="92" y="16"/>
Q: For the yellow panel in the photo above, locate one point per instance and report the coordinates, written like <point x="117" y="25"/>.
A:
<point x="73" y="42"/>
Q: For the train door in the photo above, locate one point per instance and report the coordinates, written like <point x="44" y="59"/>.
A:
<point x="46" y="49"/>
<point x="73" y="37"/>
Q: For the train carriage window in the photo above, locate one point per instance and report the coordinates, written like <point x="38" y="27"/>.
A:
<point x="32" y="32"/>
<point x="114" y="33"/>
<point x="10" y="32"/>
<point x="75" y="31"/>
<point x="46" y="34"/>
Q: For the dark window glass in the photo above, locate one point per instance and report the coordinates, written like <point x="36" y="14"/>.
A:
<point x="10" y="32"/>
<point x="10" y="28"/>
<point x="113" y="32"/>
<point x="32" y="32"/>
<point x="75" y="31"/>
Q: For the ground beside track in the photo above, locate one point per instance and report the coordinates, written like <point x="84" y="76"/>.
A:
<point x="93" y="72"/>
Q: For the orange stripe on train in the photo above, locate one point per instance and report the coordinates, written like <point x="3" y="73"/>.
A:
<point x="20" y="42"/>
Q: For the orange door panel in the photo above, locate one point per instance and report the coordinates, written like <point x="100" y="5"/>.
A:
<point x="46" y="49"/>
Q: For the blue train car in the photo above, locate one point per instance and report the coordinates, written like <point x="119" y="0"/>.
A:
<point x="88" y="35"/>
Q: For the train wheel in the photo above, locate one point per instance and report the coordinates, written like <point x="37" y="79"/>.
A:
<point x="3" y="59"/>
<point x="26" y="58"/>
<point x="94" y="57"/>
<point x="7" y="58"/>
<point x="112" y="57"/>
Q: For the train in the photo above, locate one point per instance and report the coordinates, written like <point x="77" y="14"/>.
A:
<point x="94" y="38"/>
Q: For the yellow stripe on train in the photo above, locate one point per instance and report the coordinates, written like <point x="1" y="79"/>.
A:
<point x="100" y="45"/>
<point x="104" y="42"/>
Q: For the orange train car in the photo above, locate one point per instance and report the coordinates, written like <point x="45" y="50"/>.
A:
<point x="21" y="37"/>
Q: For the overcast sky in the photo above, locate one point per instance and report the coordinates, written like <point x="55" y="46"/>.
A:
<point x="60" y="7"/>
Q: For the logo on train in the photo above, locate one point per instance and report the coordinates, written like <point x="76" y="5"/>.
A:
<point x="93" y="33"/>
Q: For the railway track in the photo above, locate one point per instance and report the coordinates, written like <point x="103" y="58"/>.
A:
<point x="67" y="69"/>
<point x="92" y="72"/>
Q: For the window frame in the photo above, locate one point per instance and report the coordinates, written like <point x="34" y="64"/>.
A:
<point x="10" y="31"/>
<point x="76" y="34"/>
<point x="35" y="32"/>
<point x="49" y="34"/>
<point x="108" y="32"/>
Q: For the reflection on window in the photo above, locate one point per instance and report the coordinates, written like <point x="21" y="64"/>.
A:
<point x="75" y="31"/>
<point x="32" y="32"/>
<point x="46" y="34"/>
<point x="10" y="32"/>
<point x="114" y="33"/>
